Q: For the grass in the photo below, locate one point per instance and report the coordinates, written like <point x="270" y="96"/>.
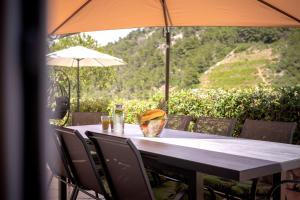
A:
<point x="235" y="75"/>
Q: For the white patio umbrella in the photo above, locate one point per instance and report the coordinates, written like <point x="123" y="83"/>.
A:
<point x="79" y="56"/>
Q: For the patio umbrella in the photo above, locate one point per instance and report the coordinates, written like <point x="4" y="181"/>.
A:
<point x="91" y="15"/>
<point x="79" y="56"/>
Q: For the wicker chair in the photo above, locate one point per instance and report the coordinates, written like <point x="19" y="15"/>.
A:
<point x="217" y="126"/>
<point x="86" y="118"/>
<point x="178" y="122"/>
<point x="125" y="170"/>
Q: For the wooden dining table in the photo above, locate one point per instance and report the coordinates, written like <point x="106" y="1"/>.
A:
<point x="193" y="154"/>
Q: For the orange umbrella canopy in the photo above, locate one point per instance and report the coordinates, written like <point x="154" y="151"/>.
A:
<point x="70" y="16"/>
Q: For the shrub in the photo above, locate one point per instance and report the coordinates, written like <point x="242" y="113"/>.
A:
<point x="261" y="103"/>
<point x="91" y="104"/>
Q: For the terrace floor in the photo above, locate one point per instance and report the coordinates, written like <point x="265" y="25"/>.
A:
<point x="53" y="193"/>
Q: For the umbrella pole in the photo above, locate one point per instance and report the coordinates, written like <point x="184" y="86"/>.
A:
<point x="78" y="86"/>
<point x="168" y="21"/>
<point x="167" y="72"/>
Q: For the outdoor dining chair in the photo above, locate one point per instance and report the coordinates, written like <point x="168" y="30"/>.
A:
<point x="86" y="118"/>
<point x="125" y="170"/>
<point x="178" y="122"/>
<point x="58" y="163"/>
<point x="273" y="131"/>
<point x="217" y="126"/>
<point x="89" y="176"/>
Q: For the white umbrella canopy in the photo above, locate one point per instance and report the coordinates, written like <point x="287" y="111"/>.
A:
<point x="79" y="56"/>
<point x="87" y="58"/>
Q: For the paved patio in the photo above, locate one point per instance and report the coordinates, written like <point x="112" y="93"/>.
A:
<point x="53" y="192"/>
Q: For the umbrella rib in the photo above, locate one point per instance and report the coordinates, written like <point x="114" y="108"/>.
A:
<point x="167" y="17"/>
<point x="99" y="62"/>
<point x="279" y="10"/>
<point x="71" y="16"/>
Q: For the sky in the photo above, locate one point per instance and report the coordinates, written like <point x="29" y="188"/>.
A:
<point x="104" y="37"/>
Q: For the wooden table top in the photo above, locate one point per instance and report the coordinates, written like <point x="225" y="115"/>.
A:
<point x="234" y="158"/>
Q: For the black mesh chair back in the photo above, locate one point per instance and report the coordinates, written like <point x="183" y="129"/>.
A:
<point x="86" y="118"/>
<point x="217" y="126"/>
<point x="178" y="122"/>
<point x="124" y="166"/>
<point x="84" y="168"/>
<point x="56" y="158"/>
<point x="273" y="131"/>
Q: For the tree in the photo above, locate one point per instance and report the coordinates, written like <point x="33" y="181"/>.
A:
<point x="94" y="81"/>
<point x="289" y="64"/>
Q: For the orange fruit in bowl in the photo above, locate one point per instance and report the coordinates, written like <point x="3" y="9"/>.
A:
<point x="152" y="122"/>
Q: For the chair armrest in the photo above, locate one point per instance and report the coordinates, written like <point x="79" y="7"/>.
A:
<point x="212" y="193"/>
<point x="180" y="195"/>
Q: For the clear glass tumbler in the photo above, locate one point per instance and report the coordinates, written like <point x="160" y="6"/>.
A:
<point x="105" y="121"/>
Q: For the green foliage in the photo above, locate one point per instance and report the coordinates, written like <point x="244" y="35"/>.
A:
<point x="235" y="75"/>
<point x="289" y="66"/>
<point x="88" y="104"/>
<point x="242" y="47"/>
<point x="94" y="81"/>
<point x="75" y="40"/>
<point x="261" y="103"/>
<point x="194" y="50"/>
<point x="266" y="35"/>
<point x="224" y="35"/>
<point x="133" y="108"/>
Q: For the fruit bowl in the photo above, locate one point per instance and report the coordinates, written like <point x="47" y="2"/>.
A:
<point x="152" y="122"/>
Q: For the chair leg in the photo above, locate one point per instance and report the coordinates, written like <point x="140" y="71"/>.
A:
<point x="156" y="178"/>
<point x="253" y="189"/>
<point x="50" y="181"/>
<point x="74" y="193"/>
<point x="212" y="193"/>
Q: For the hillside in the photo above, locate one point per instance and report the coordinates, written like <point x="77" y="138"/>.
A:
<point x="242" y="69"/>
<point x="209" y="57"/>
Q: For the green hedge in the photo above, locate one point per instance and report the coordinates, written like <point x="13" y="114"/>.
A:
<point x="91" y="104"/>
<point x="261" y="103"/>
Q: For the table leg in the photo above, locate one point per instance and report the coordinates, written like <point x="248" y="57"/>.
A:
<point x="192" y="183"/>
<point x="199" y="186"/>
<point x="62" y="189"/>
<point x="195" y="183"/>
<point x="279" y="193"/>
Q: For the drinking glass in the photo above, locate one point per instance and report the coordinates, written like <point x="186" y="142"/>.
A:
<point x="105" y="121"/>
<point x="111" y="124"/>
